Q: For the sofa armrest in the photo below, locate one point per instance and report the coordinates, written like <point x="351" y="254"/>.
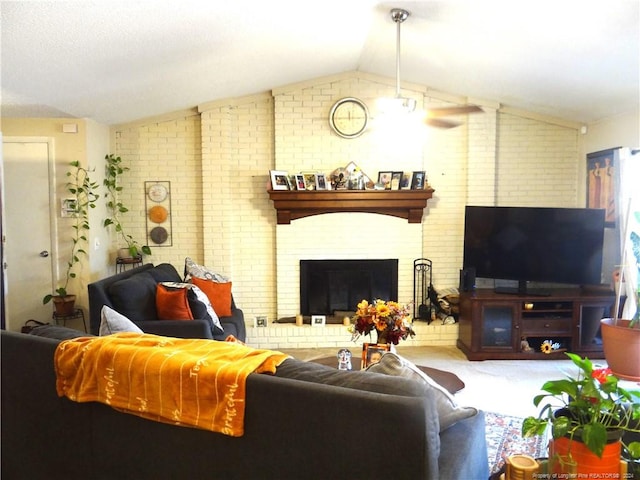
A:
<point x="177" y="328"/>
<point x="466" y="436"/>
<point x="233" y="325"/>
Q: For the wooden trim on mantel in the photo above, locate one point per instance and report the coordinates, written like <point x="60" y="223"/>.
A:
<point x="291" y="205"/>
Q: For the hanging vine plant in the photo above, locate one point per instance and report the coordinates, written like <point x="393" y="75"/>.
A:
<point x="114" y="169"/>
<point x="84" y="197"/>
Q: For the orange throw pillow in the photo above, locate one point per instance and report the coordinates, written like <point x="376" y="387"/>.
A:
<point x="172" y="303"/>
<point x="219" y="294"/>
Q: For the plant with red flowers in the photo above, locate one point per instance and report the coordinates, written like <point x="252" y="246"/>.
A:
<point x="587" y="407"/>
<point x="390" y="320"/>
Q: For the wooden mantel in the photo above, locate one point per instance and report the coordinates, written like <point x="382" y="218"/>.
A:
<point x="407" y="204"/>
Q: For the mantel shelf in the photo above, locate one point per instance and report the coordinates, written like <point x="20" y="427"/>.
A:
<point x="408" y="204"/>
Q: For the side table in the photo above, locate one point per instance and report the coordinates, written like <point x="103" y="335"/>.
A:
<point x="122" y="262"/>
<point x="77" y="313"/>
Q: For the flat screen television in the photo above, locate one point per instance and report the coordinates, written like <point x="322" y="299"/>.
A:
<point x="534" y="244"/>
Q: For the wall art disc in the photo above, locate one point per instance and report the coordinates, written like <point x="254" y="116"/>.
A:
<point x="159" y="235"/>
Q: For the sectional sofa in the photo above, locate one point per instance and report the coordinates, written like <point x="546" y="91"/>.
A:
<point x="307" y="421"/>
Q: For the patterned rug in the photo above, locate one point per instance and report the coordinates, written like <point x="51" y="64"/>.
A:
<point x="504" y="439"/>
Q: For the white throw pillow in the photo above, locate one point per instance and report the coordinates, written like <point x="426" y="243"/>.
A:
<point x="114" y="322"/>
<point x="449" y="412"/>
<point x="192" y="269"/>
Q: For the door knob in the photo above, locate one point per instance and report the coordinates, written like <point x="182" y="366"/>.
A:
<point x="44" y="253"/>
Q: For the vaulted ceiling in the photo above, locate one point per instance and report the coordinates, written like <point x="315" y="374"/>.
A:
<point x="117" y="61"/>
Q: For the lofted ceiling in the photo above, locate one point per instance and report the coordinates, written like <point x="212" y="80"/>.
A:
<point x="119" y="61"/>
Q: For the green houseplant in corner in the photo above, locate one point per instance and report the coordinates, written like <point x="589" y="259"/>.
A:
<point x="83" y="198"/>
<point x="114" y="169"/>
<point x="588" y="416"/>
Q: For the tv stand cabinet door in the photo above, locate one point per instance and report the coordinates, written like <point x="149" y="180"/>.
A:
<point x="587" y="333"/>
<point x="488" y="329"/>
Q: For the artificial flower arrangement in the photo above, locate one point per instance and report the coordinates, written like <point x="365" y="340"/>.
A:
<point x="390" y="320"/>
<point x="587" y="408"/>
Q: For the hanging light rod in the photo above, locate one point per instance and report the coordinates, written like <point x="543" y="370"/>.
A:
<point x="398" y="103"/>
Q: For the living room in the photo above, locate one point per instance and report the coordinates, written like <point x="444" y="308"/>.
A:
<point x="217" y="156"/>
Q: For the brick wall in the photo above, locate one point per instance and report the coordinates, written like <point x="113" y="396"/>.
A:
<point x="218" y="163"/>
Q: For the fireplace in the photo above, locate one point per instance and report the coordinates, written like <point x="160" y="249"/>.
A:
<point x="327" y="286"/>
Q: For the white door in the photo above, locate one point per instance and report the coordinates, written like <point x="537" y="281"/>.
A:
<point x="28" y="256"/>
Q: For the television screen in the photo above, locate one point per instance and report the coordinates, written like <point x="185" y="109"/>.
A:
<point x="549" y="245"/>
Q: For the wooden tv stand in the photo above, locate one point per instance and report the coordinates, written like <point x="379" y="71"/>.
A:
<point x="493" y="325"/>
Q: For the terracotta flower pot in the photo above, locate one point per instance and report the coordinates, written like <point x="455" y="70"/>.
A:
<point x="622" y="348"/>
<point x="64" y="305"/>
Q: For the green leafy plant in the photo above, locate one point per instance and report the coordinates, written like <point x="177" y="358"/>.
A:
<point x="82" y="189"/>
<point x="586" y="408"/>
<point x="114" y="169"/>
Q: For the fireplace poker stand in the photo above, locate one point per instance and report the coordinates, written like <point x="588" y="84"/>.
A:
<point x="423" y="291"/>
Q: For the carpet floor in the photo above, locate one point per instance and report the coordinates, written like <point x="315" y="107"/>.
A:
<point x="504" y="439"/>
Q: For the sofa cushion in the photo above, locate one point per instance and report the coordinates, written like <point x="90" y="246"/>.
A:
<point x="192" y="269"/>
<point x="58" y="332"/>
<point x="448" y="411"/>
<point x="165" y="272"/>
<point x="135" y="297"/>
<point x="219" y="294"/>
<point x="357" y="380"/>
<point x="199" y="304"/>
<point x="172" y="303"/>
<point x="114" y="322"/>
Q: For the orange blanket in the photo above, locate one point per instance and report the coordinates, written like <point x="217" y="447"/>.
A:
<point x="191" y="382"/>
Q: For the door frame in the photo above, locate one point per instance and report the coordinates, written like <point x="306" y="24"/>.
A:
<point x="53" y="218"/>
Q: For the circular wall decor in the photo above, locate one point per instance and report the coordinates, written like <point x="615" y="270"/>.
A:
<point x="158" y="192"/>
<point x="349" y="117"/>
<point x="158" y="214"/>
<point x="159" y="235"/>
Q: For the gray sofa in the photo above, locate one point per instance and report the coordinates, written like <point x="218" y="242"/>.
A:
<point x="132" y="293"/>
<point x="294" y="428"/>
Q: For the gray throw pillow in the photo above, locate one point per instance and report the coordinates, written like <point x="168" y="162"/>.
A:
<point x="449" y="412"/>
<point x="114" y="322"/>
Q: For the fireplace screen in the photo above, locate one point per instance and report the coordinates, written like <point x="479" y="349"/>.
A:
<point x="327" y="286"/>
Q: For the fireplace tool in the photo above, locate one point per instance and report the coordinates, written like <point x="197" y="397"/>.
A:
<point x="423" y="291"/>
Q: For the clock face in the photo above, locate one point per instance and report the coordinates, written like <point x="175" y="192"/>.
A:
<point x="158" y="192"/>
<point x="349" y="117"/>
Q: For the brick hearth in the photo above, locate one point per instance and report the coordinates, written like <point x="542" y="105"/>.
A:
<point x="277" y="335"/>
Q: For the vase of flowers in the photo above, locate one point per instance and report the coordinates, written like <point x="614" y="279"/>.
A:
<point x="589" y="417"/>
<point x="389" y="320"/>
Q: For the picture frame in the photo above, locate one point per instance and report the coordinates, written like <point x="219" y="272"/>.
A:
<point x="384" y="179"/>
<point x="602" y="183"/>
<point x="321" y="181"/>
<point x="418" y="180"/>
<point x="260" y="321"/>
<point x="310" y="179"/>
<point x="352" y="167"/>
<point x="279" y="180"/>
<point x="396" y="178"/>
<point x="372" y="352"/>
<point x="405" y="182"/>
<point x="318" y="320"/>
<point x="301" y="183"/>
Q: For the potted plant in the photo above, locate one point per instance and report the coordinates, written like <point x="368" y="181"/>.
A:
<point x="114" y="169"/>
<point x="621" y="336"/>
<point x="84" y="197"/>
<point x="588" y="415"/>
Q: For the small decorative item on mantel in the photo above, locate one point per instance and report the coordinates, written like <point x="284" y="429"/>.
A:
<point x="391" y="321"/>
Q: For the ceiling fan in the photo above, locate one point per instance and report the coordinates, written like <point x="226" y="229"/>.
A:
<point x="433" y="116"/>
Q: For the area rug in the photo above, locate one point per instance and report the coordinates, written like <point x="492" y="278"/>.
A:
<point x="504" y="438"/>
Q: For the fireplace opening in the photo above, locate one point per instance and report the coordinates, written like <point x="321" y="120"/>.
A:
<point x="327" y="286"/>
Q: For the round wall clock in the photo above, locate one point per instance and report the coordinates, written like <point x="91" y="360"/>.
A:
<point x="349" y="117"/>
<point x="158" y="192"/>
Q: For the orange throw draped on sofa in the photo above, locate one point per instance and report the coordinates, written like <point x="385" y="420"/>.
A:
<point x="190" y="382"/>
